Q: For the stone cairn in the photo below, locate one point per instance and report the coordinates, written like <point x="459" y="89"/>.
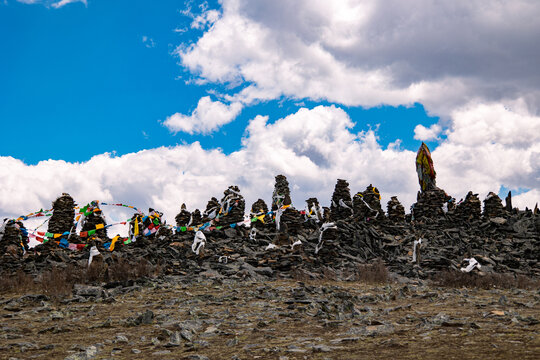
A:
<point x="63" y="215"/>
<point x="282" y="197"/>
<point x="469" y="209"/>
<point x="367" y="204"/>
<point x="93" y="219"/>
<point x="212" y="209"/>
<point x="493" y="206"/>
<point x="183" y="218"/>
<point x="395" y="211"/>
<point x="430" y="203"/>
<point x="232" y="206"/>
<point x="13" y="238"/>
<point x="341" y="204"/>
<point x="314" y="213"/>
<point x="196" y="217"/>
<point x="292" y="218"/>
<point x="281" y="189"/>
<point x="259" y="208"/>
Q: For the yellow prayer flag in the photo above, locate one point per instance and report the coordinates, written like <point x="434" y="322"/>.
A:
<point x="100" y="226"/>
<point x="57" y="235"/>
<point x="114" y="240"/>
<point x="136" y="227"/>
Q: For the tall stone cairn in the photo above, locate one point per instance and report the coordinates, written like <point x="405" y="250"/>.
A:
<point x="183" y="217"/>
<point x="281" y="190"/>
<point x="341" y="204"/>
<point x="233" y="206"/>
<point x="493" y="206"/>
<point x="62" y="219"/>
<point x="470" y="208"/>
<point x="395" y="211"/>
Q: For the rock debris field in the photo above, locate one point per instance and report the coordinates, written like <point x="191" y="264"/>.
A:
<point x="208" y="317"/>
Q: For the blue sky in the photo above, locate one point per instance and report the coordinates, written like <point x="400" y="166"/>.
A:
<point x="81" y="82"/>
<point x="155" y="103"/>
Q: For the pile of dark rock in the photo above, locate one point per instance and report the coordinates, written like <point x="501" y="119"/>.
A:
<point x="212" y="210"/>
<point x="341" y="203"/>
<point x="430" y="203"/>
<point x="62" y="219"/>
<point x="13" y="238"/>
<point x="493" y="206"/>
<point x="367" y="205"/>
<point x="290" y="218"/>
<point x="281" y="190"/>
<point x="395" y="211"/>
<point x="92" y="220"/>
<point x="260" y="210"/>
<point x="196" y="217"/>
<point x="183" y="218"/>
<point x="324" y="248"/>
<point x="314" y="215"/>
<point x="469" y="209"/>
<point x="232" y="207"/>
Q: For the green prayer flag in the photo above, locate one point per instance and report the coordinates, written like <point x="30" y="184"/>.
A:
<point x="91" y="232"/>
<point x="183" y="228"/>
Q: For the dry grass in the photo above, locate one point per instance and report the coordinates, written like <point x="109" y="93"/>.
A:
<point x="20" y="282"/>
<point x="375" y="273"/>
<point x="488" y="281"/>
<point x="57" y="283"/>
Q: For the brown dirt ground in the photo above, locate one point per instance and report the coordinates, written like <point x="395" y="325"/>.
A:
<point x="480" y="326"/>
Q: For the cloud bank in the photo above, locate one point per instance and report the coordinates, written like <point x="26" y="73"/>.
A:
<point x="312" y="147"/>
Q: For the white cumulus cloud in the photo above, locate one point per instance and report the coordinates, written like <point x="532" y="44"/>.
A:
<point x="423" y="133"/>
<point x="367" y="52"/>
<point x="206" y="118"/>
